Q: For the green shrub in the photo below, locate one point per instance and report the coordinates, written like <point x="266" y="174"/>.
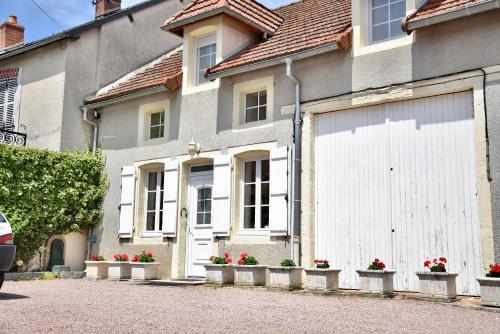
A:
<point x="45" y="193"/>
<point x="48" y="276"/>
<point x="288" y="263"/>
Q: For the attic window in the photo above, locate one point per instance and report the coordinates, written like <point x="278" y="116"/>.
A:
<point x="386" y="18"/>
<point x="206" y="51"/>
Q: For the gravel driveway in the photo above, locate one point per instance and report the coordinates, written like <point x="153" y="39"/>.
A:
<point x="80" y="306"/>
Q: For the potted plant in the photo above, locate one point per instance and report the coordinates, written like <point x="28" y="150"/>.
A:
<point x="287" y="276"/>
<point x="144" y="267"/>
<point x="97" y="267"/>
<point x="437" y="283"/>
<point x="321" y="277"/>
<point x="220" y="270"/>
<point x="490" y="286"/>
<point x="119" y="268"/>
<point x="376" y="279"/>
<point x="248" y="272"/>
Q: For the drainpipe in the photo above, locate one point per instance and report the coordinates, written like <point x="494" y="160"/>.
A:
<point x="297" y="167"/>
<point x="95" y="127"/>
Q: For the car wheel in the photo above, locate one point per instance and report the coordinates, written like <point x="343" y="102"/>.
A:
<point x="2" y="275"/>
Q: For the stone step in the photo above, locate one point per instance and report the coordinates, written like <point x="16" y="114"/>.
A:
<point x="188" y="281"/>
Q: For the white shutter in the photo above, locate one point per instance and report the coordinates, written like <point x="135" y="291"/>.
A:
<point x="8" y="88"/>
<point x="127" y="202"/>
<point x="278" y="215"/>
<point x="221" y="200"/>
<point x="170" y="191"/>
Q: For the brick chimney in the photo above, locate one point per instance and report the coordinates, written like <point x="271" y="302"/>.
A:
<point x="11" y="33"/>
<point x="103" y="7"/>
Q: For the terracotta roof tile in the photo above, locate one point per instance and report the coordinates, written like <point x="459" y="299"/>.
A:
<point x="307" y="24"/>
<point x="437" y="7"/>
<point x="9" y="73"/>
<point x="164" y="71"/>
<point x="249" y="10"/>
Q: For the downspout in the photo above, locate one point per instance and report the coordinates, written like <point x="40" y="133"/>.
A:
<point x="95" y="127"/>
<point x="296" y="167"/>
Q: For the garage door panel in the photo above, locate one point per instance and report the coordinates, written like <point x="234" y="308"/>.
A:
<point x="409" y="167"/>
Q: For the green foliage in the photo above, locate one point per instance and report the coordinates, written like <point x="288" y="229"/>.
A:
<point x="45" y="193"/>
<point x="48" y="276"/>
<point x="143" y="257"/>
<point x="288" y="263"/>
<point x="250" y="261"/>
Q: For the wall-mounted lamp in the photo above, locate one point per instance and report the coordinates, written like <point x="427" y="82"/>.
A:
<point x="193" y="147"/>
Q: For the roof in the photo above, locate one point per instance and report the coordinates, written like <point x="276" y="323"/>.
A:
<point x="75" y="31"/>
<point x="248" y="11"/>
<point x="432" y="9"/>
<point x="9" y="73"/>
<point x="307" y="24"/>
<point x="165" y="71"/>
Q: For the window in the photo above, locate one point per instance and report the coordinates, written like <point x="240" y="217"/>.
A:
<point x="204" y="206"/>
<point x="157" y="125"/>
<point x="2" y="219"/>
<point x="206" y="51"/>
<point x="256" y="194"/>
<point x="8" y="88"/>
<point x="255" y="106"/>
<point x="154" y="201"/>
<point x="386" y="18"/>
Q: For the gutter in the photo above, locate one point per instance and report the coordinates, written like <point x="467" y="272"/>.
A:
<point x="448" y="16"/>
<point x="342" y="42"/>
<point x="107" y="102"/>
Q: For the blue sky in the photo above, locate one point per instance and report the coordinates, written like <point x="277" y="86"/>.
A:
<point x="68" y="13"/>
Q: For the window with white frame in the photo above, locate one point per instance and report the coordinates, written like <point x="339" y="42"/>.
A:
<point x="206" y="55"/>
<point x="256" y="106"/>
<point x="154" y="201"/>
<point x="157" y="125"/>
<point x="385" y="18"/>
<point x="255" y="195"/>
<point x="8" y="88"/>
<point x="204" y="206"/>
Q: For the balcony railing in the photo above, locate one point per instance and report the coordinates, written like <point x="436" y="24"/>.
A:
<point x="10" y="137"/>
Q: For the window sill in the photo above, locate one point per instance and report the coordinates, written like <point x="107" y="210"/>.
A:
<point x="247" y="233"/>
<point x="152" y="235"/>
<point x="383" y="46"/>
<point x="254" y="126"/>
<point x="201" y="88"/>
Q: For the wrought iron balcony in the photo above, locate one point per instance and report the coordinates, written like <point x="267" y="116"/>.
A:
<point x="10" y="137"/>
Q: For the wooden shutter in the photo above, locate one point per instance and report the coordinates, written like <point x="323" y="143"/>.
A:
<point x="170" y="191"/>
<point x="8" y="88"/>
<point x="127" y="202"/>
<point x="221" y="200"/>
<point x="278" y="215"/>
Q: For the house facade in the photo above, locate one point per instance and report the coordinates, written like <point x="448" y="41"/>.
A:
<point x="400" y="142"/>
<point x="42" y="84"/>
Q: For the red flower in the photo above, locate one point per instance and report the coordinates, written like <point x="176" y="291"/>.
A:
<point x="240" y="262"/>
<point x="382" y="265"/>
<point x="317" y="261"/>
<point x="376" y="260"/>
<point x="229" y="260"/>
<point x="244" y="255"/>
<point x="226" y="254"/>
<point x="427" y="263"/>
<point x="434" y="261"/>
<point x="136" y="258"/>
<point x="212" y="258"/>
<point x="150" y="254"/>
<point x="442" y="259"/>
<point x="441" y="265"/>
<point x="125" y="257"/>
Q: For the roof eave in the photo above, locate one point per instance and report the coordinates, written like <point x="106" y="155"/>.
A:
<point x="176" y="26"/>
<point x="453" y="15"/>
<point x="275" y="61"/>
<point x="125" y="97"/>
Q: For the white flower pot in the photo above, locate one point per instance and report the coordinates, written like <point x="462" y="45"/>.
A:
<point x="219" y="273"/>
<point x="96" y="269"/>
<point x="438" y="285"/>
<point x="144" y="271"/>
<point x="376" y="281"/>
<point x="322" y="279"/>
<point x="490" y="291"/>
<point x="250" y="275"/>
<point x="119" y="270"/>
<point x="288" y="278"/>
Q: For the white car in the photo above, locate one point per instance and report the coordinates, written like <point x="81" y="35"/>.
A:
<point x="7" y="248"/>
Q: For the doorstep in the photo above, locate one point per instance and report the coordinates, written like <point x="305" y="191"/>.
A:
<point x="178" y="282"/>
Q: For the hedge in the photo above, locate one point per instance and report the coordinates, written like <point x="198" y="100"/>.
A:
<point x="44" y="193"/>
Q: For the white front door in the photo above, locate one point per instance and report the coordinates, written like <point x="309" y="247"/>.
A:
<point x="397" y="181"/>
<point x="199" y="238"/>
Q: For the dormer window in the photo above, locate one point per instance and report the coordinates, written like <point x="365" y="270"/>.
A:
<point x="386" y="16"/>
<point x="206" y="50"/>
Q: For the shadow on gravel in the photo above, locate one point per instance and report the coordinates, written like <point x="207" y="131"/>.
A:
<point x="11" y="296"/>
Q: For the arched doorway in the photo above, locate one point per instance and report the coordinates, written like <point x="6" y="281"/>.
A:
<point x="56" y="253"/>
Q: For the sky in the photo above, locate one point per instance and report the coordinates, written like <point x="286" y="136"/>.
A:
<point x="67" y="14"/>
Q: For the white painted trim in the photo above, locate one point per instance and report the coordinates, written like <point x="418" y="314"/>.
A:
<point x="157" y="231"/>
<point x="239" y="102"/>
<point x="145" y="111"/>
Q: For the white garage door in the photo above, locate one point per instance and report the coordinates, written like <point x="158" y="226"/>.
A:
<point x="398" y="181"/>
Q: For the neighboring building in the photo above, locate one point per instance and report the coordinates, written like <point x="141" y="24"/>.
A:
<point x="42" y="82"/>
<point x="395" y="161"/>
